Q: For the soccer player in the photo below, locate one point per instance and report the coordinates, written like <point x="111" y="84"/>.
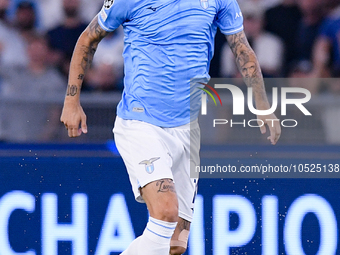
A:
<point x="167" y="43"/>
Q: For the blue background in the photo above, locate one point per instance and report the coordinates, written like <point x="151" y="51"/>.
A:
<point x="98" y="171"/>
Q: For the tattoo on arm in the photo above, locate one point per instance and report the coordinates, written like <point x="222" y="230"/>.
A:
<point x="96" y="31"/>
<point x="183" y="224"/>
<point x="71" y="90"/>
<point x="88" y="54"/>
<point x="247" y="63"/>
<point x="96" y="34"/>
<point x="85" y="49"/>
<point x="165" y="185"/>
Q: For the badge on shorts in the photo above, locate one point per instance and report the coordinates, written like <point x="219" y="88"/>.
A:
<point x="149" y="167"/>
<point x="204" y="4"/>
<point x="108" y="3"/>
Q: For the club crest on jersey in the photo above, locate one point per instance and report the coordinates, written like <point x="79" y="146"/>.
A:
<point x="149" y="167"/>
<point x="204" y="4"/>
<point x="108" y="4"/>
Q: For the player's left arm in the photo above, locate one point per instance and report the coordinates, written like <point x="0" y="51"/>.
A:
<point x="249" y="67"/>
<point x="73" y="115"/>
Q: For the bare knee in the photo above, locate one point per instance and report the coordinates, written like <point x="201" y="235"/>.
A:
<point x="168" y="213"/>
<point x="177" y="250"/>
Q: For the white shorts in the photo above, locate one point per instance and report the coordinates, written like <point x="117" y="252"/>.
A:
<point x="151" y="153"/>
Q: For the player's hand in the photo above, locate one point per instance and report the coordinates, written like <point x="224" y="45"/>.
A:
<point x="73" y="117"/>
<point x="274" y="127"/>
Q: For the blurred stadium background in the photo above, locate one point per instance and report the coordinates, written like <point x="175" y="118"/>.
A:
<point x="72" y="196"/>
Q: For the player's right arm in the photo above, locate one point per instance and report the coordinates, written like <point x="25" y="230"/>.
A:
<point x="73" y="115"/>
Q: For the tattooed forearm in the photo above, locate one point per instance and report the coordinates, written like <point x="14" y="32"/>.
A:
<point x="247" y="64"/>
<point x="245" y="58"/>
<point x="83" y="55"/>
<point x="71" y="90"/>
<point x="88" y="54"/>
<point x="165" y="186"/>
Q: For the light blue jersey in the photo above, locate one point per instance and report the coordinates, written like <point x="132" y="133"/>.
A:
<point x="167" y="43"/>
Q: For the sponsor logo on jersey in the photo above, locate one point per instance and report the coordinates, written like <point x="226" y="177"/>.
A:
<point x="149" y="167"/>
<point x="108" y="4"/>
<point x="204" y="4"/>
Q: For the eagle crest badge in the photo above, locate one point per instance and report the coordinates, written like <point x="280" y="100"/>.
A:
<point x="149" y="167"/>
<point x="204" y="4"/>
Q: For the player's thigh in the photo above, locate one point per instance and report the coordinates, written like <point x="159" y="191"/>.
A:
<point x="144" y="152"/>
<point x="186" y="186"/>
<point x="161" y="199"/>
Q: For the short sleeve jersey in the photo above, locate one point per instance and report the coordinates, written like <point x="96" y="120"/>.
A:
<point x="167" y="44"/>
